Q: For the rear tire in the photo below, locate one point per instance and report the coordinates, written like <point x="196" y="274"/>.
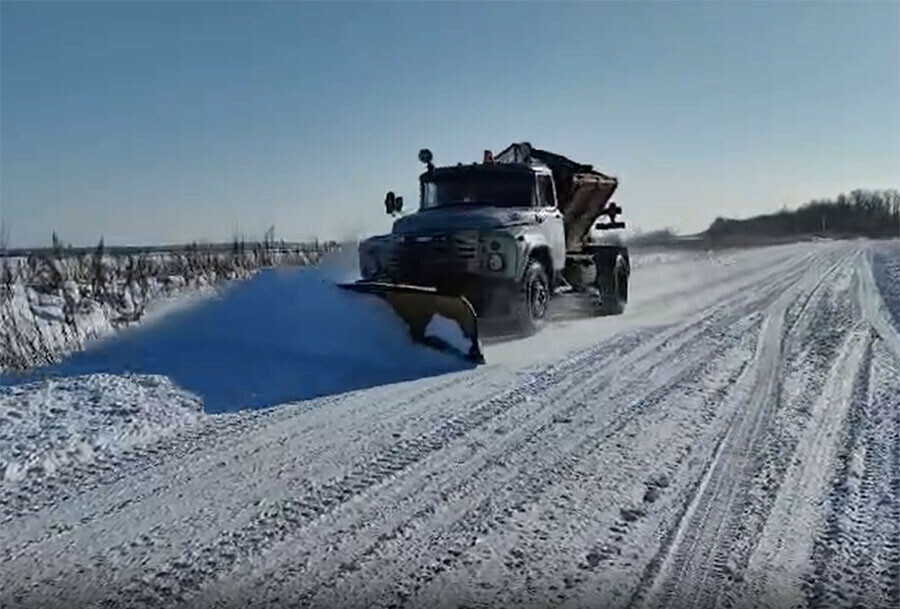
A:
<point x="613" y="286"/>
<point x="534" y="298"/>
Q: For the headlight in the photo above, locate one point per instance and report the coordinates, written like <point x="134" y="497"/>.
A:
<point x="495" y="261"/>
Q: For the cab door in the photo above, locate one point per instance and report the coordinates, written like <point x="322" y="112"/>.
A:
<point x="550" y="219"/>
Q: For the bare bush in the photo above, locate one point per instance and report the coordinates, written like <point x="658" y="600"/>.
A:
<point x="53" y="302"/>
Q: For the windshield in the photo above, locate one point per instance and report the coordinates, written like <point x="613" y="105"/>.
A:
<point x="478" y="189"/>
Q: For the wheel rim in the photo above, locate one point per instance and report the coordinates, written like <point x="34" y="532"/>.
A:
<point x="538" y="299"/>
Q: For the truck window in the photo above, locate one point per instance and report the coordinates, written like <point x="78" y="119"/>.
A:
<point x="545" y="191"/>
<point x="478" y="189"/>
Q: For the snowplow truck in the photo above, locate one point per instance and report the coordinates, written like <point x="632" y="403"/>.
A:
<point x="498" y="240"/>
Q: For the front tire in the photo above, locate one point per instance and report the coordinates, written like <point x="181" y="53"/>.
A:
<point x="613" y="286"/>
<point x="534" y="298"/>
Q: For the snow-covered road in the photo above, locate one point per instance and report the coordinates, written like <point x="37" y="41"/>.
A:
<point x="733" y="440"/>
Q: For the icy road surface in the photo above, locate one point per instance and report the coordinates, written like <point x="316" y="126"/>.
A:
<point x="733" y="440"/>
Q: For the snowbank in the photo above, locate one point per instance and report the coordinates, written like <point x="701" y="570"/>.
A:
<point x="52" y="305"/>
<point x="283" y="335"/>
<point x="53" y="423"/>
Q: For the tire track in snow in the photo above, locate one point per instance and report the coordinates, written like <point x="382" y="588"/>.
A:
<point x="879" y="306"/>
<point x="565" y="374"/>
<point x="777" y="569"/>
<point x="277" y="521"/>
<point x="856" y="557"/>
<point x="153" y="542"/>
<point x="657" y="392"/>
<point x="840" y="536"/>
<point x="441" y="549"/>
<point x="258" y="535"/>
<point x="767" y="290"/>
<point x="215" y="432"/>
<point x="798" y="314"/>
<point x="698" y="562"/>
<point x="773" y="574"/>
<point x="468" y="478"/>
<point x="882" y="475"/>
<point x="813" y="344"/>
<point x="685" y="565"/>
<point x="648" y="345"/>
<point x="615" y="529"/>
<point x="888" y="373"/>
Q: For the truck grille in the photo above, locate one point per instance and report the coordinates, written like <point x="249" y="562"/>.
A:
<point x="466" y="245"/>
<point x="424" y="260"/>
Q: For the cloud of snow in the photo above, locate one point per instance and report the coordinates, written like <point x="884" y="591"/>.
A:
<point x="284" y="335"/>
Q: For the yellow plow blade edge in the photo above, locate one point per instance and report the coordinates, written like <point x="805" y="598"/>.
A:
<point x="423" y="309"/>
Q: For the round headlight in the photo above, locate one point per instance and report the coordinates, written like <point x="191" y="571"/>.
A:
<point x="495" y="262"/>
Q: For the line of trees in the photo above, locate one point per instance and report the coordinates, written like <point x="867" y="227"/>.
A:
<point x="862" y="213"/>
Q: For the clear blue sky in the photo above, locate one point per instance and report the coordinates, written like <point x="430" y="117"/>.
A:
<point x="176" y="121"/>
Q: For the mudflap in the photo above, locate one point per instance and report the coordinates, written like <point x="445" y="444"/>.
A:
<point x="427" y="312"/>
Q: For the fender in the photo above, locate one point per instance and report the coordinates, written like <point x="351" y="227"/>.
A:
<point x="536" y="245"/>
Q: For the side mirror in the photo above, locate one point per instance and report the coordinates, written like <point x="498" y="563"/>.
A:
<point x="392" y="203"/>
<point x="389" y="201"/>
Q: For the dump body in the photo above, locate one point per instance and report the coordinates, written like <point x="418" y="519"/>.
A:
<point x="582" y="193"/>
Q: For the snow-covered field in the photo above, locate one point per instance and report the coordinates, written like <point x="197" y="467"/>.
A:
<point x="732" y="440"/>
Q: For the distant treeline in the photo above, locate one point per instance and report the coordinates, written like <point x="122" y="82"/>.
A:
<point x="860" y="213"/>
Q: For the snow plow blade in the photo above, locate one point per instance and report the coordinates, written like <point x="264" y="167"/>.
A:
<point x="427" y="313"/>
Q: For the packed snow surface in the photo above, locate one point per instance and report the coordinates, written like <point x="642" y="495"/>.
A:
<point x="732" y="440"/>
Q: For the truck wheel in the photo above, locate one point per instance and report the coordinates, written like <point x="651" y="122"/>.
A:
<point x="534" y="298"/>
<point x="613" y="286"/>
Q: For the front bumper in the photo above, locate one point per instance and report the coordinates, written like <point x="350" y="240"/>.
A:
<point x="454" y="264"/>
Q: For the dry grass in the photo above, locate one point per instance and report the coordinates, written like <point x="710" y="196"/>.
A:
<point x="53" y="302"/>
